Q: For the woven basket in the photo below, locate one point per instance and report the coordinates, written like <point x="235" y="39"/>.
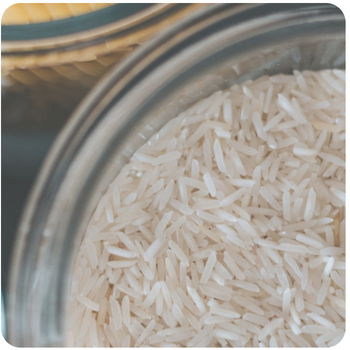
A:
<point x="26" y="13"/>
<point x="64" y="67"/>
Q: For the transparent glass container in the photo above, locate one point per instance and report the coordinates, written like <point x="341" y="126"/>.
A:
<point x="218" y="46"/>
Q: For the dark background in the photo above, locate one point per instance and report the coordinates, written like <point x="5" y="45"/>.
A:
<point x="31" y="119"/>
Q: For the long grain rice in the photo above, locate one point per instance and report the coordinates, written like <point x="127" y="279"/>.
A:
<point x="226" y="229"/>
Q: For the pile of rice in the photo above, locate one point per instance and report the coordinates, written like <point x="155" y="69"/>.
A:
<point x="227" y="228"/>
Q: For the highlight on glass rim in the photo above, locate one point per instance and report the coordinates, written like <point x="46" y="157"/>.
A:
<point x="195" y="196"/>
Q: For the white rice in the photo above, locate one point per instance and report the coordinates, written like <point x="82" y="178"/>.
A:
<point x="227" y="229"/>
<point x="208" y="180"/>
<point x="270" y="327"/>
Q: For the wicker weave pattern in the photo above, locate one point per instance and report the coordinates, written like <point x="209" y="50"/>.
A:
<point x="81" y="64"/>
<point x="61" y="78"/>
<point x="34" y="13"/>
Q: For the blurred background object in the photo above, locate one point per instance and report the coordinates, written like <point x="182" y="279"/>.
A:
<point x="35" y="13"/>
<point x="56" y="61"/>
<point x="52" y="55"/>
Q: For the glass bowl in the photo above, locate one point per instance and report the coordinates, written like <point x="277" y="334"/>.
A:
<point x="214" y="48"/>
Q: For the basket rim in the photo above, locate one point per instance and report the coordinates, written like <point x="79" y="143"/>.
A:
<point x="89" y="45"/>
<point x="82" y="28"/>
